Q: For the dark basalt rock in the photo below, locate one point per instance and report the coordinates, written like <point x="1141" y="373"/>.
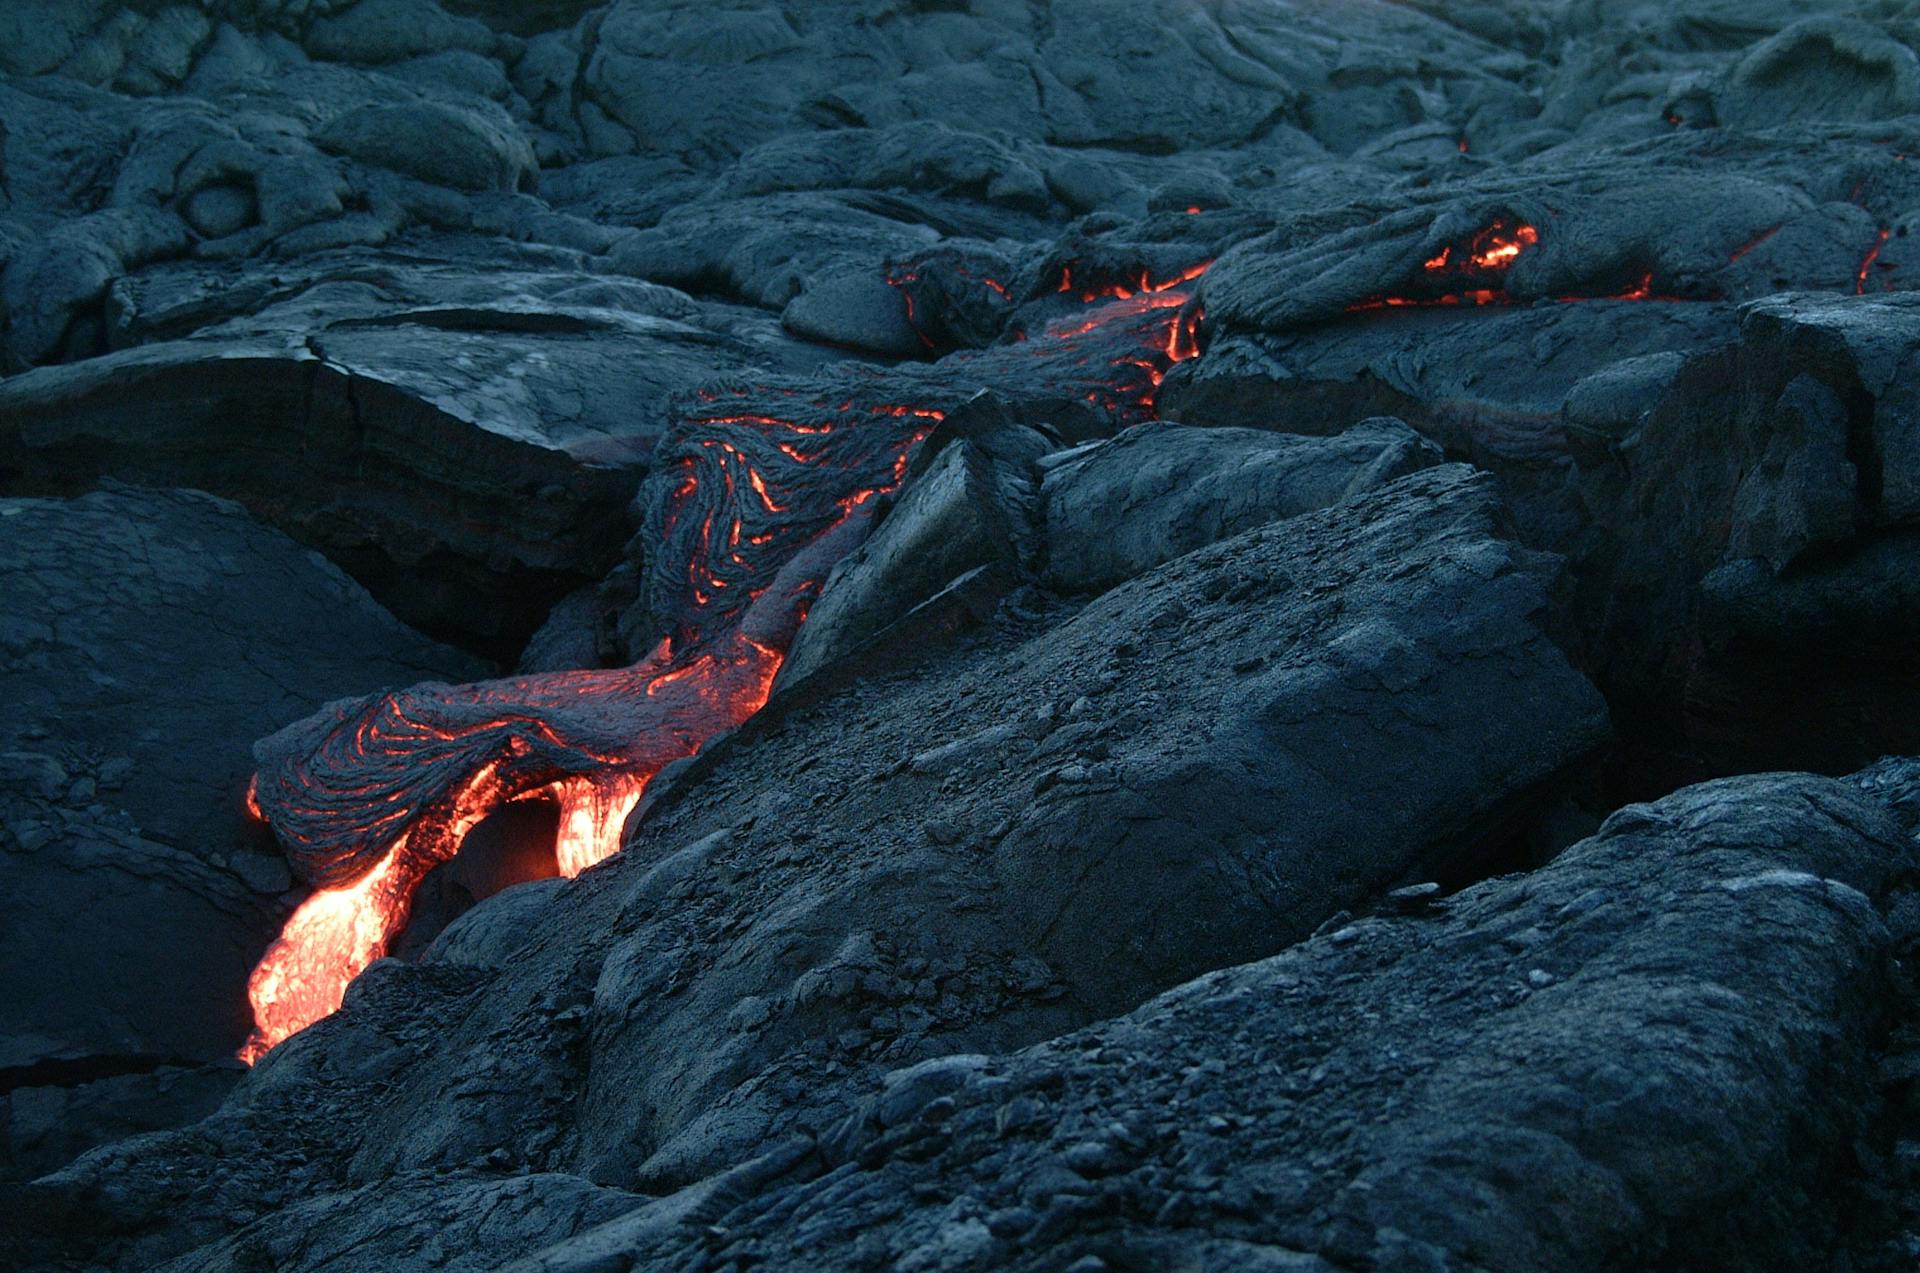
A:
<point x="605" y="337"/>
<point x="437" y="144"/>
<point x="443" y="518"/>
<point x="1405" y="1092"/>
<point x="465" y="443"/>
<point x="1744" y="541"/>
<point x="964" y="513"/>
<point x="148" y="637"/>
<point x="1119" y="508"/>
<point x="1084" y="848"/>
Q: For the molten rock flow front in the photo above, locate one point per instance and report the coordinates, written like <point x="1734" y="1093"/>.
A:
<point x="757" y="494"/>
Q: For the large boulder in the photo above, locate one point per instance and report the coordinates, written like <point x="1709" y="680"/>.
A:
<point x="965" y="513"/>
<point x="460" y="148"/>
<point x="1750" y="543"/>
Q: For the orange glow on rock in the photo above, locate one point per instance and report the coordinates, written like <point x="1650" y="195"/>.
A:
<point x="1870" y="260"/>
<point x="1744" y="249"/>
<point x="1469" y="274"/>
<point x="323" y="946"/>
<point x="367" y="796"/>
<point x="1498" y="248"/>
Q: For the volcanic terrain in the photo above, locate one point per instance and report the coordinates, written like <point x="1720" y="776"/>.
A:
<point x="1261" y="636"/>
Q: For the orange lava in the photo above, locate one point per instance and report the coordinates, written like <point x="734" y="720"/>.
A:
<point x="324" y="945"/>
<point x="606" y="733"/>
<point x="338" y="932"/>
<point x="1497" y="248"/>
<point x="335" y="934"/>
<point x="1471" y="272"/>
<point x="1870" y="260"/>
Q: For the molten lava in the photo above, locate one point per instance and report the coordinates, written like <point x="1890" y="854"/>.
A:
<point x="756" y="495"/>
<point x="1472" y="274"/>
<point x="435" y="760"/>
<point x="1467" y="273"/>
<point x="1871" y="259"/>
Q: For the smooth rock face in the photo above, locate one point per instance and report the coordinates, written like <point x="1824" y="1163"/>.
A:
<point x="1163" y="490"/>
<point x="148" y="637"/>
<point x="437" y="144"/>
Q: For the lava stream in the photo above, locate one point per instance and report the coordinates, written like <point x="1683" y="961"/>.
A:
<point x="759" y="492"/>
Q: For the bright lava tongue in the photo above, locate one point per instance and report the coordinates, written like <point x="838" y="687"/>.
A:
<point x="368" y="795"/>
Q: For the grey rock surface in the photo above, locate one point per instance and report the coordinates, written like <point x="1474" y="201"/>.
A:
<point x="1162" y="490"/>
<point x="148" y="636"/>
<point x="1105" y="884"/>
<point x="1511" y="1083"/>
<point x="1085" y="847"/>
<point x="964" y="513"/>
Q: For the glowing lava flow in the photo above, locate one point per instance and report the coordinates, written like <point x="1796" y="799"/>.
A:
<point x="449" y="756"/>
<point x="1472" y="274"/>
<point x="1871" y="259"/>
<point x="756" y="495"/>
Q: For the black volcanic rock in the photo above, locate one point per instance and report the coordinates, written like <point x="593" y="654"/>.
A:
<point x="964" y="513"/>
<point x="567" y="327"/>
<point x="1748" y="545"/>
<point x="1647" y="1053"/>
<point x="441" y="145"/>
<point x="148" y="637"/>
<point x="465" y="443"/>
<point x="1119" y="508"/>
<point x="1082" y="847"/>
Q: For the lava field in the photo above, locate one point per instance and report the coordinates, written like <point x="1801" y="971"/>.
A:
<point x="932" y="636"/>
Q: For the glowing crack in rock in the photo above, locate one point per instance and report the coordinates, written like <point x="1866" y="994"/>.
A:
<point x="1472" y="273"/>
<point x="754" y="497"/>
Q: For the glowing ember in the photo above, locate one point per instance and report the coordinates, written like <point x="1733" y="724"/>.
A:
<point x="1744" y="249"/>
<point x="758" y="494"/>
<point x="1470" y="274"/>
<point x="1498" y="248"/>
<point x="1465" y="273"/>
<point x="1870" y="260"/>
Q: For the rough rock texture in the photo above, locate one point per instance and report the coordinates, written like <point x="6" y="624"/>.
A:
<point x="465" y="442"/>
<point x="1511" y="1080"/>
<point x="965" y="513"/>
<point x="1086" y="846"/>
<point x="148" y="636"/>
<point x="1775" y="485"/>
<point x="565" y="328"/>
<point x="1161" y="491"/>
